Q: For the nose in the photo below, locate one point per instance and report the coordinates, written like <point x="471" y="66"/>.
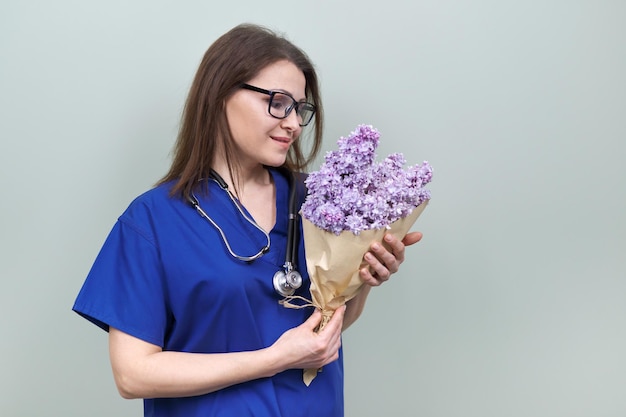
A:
<point x="292" y="121"/>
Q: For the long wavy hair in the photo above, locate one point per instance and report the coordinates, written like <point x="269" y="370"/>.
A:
<point x="235" y="58"/>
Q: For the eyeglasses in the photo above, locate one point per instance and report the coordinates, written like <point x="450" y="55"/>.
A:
<point x="281" y="104"/>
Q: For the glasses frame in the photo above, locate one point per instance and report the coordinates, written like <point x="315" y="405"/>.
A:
<point x="295" y="105"/>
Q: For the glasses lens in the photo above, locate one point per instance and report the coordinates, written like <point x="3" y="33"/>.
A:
<point x="306" y="112"/>
<point x="281" y="105"/>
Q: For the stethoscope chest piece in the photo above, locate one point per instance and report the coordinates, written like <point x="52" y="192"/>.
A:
<point x="287" y="281"/>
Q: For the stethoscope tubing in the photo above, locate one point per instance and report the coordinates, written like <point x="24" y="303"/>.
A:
<point x="194" y="202"/>
<point x="286" y="280"/>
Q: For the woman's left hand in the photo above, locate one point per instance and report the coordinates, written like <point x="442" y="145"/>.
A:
<point x="383" y="263"/>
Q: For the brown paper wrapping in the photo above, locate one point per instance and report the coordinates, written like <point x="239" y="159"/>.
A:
<point x="333" y="263"/>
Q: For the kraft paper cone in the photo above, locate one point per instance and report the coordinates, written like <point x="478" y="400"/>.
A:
<point x="333" y="263"/>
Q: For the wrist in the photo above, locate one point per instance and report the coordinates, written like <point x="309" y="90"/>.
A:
<point x="273" y="360"/>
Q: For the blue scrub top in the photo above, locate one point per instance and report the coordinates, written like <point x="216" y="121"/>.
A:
<point x="164" y="276"/>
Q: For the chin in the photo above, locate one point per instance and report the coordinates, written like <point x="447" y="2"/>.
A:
<point x="276" y="163"/>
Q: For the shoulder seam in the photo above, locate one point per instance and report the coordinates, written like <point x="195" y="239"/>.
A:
<point x="137" y="230"/>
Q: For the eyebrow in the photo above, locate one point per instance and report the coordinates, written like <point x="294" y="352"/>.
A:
<point x="280" y="90"/>
<point x="276" y="90"/>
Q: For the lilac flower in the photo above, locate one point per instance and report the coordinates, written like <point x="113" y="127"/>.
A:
<point x="351" y="191"/>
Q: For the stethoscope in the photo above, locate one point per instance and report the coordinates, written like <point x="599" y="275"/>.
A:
<point x="286" y="280"/>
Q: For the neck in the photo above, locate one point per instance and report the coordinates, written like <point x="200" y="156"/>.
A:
<point x="255" y="190"/>
<point x="243" y="178"/>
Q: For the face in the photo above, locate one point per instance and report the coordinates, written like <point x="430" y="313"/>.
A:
<point x="261" y="138"/>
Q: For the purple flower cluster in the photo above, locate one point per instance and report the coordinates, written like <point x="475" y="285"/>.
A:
<point x="351" y="191"/>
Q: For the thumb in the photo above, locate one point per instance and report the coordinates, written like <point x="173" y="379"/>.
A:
<point x="412" y="238"/>
<point x="313" y="321"/>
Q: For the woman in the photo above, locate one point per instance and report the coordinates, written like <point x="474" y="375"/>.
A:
<point x="183" y="283"/>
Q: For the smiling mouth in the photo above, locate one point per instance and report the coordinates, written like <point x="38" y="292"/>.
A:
<point x="282" y="140"/>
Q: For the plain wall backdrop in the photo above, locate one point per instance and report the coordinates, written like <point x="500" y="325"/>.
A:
<point x="514" y="303"/>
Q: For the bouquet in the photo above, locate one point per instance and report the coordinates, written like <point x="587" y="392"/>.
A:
<point x="353" y="201"/>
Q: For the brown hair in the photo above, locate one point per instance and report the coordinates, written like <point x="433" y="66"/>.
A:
<point x="234" y="58"/>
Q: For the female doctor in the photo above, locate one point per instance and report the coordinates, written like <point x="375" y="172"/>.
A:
<point x="183" y="283"/>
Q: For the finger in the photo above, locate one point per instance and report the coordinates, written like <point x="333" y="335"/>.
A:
<point x="370" y="278"/>
<point x="412" y="238"/>
<point x="397" y="250"/>
<point x="313" y="321"/>
<point x="382" y="262"/>
<point x="389" y="259"/>
<point x="336" y="320"/>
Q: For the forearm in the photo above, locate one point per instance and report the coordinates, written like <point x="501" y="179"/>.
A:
<point x="149" y="374"/>
<point x="355" y="307"/>
<point x="143" y="370"/>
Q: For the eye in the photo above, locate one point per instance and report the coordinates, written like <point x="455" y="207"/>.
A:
<point x="281" y="101"/>
<point x="304" y="107"/>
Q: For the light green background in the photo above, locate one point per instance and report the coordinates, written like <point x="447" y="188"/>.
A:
<point x="514" y="303"/>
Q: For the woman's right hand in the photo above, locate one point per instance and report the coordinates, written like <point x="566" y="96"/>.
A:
<point x="301" y="347"/>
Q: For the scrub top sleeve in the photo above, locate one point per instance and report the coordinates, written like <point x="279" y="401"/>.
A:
<point x="125" y="288"/>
